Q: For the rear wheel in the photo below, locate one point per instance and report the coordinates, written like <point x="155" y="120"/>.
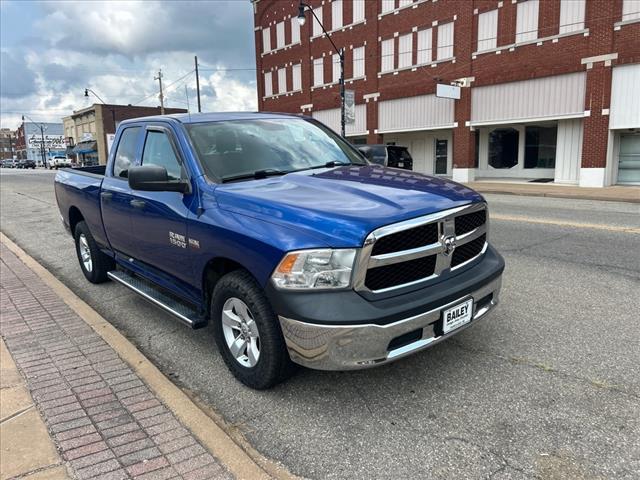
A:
<point x="93" y="263"/>
<point x="247" y="332"/>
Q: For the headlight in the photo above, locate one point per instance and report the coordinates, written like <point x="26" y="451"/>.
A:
<point x="308" y="269"/>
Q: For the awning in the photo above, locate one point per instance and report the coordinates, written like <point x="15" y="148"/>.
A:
<point x="69" y="151"/>
<point x="85" y="147"/>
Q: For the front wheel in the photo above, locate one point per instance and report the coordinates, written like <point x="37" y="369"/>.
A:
<point x="247" y="332"/>
<point x="93" y="262"/>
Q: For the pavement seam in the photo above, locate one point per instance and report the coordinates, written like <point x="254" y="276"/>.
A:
<point x="202" y="426"/>
<point x="16" y="414"/>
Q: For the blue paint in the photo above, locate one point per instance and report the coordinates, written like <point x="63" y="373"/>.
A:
<point x="254" y="222"/>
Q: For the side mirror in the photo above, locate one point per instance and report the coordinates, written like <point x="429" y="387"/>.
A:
<point x="152" y="178"/>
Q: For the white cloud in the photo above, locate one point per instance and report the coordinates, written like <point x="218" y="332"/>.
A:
<point x="116" y="48"/>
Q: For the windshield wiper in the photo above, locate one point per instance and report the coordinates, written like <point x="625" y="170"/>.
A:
<point x="258" y="174"/>
<point x="330" y="164"/>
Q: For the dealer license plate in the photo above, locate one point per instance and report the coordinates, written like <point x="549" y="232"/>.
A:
<point x="457" y="316"/>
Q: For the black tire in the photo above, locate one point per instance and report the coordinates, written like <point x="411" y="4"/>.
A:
<point x="273" y="365"/>
<point x="100" y="263"/>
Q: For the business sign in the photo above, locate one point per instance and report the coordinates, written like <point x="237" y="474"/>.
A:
<point x="447" y="91"/>
<point x="349" y="107"/>
<point x="53" y="142"/>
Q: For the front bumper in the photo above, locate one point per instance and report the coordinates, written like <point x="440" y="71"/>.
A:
<point x="343" y="344"/>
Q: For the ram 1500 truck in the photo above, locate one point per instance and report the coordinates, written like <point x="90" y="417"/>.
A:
<point x="278" y="233"/>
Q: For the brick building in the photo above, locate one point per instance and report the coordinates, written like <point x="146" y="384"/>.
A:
<point x="38" y="141"/>
<point x="89" y="132"/>
<point x="550" y="88"/>
<point x="7" y="143"/>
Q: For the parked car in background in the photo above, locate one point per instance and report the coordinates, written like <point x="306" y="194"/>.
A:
<point x="10" y="163"/>
<point x="277" y="232"/>
<point x="59" y="161"/>
<point x="26" y="163"/>
<point x="393" y="156"/>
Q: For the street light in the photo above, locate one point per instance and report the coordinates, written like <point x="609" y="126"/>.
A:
<point x="113" y="112"/>
<point x="42" y="128"/>
<point x="302" y="20"/>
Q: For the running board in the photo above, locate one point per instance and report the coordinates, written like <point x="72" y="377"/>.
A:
<point x="147" y="290"/>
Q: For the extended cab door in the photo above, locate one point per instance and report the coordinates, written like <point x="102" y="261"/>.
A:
<point x="115" y="195"/>
<point x="159" y="219"/>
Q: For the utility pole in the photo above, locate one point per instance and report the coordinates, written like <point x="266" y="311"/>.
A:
<point x="198" y="84"/>
<point x="159" y="78"/>
<point x="44" y="163"/>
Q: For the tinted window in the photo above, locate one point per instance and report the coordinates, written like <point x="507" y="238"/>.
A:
<point x="229" y="149"/>
<point x="398" y="154"/>
<point x="158" y="151"/>
<point x="126" y="153"/>
<point x="540" y="146"/>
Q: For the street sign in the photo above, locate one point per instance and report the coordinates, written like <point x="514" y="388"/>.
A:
<point x="447" y="91"/>
<point x="349" y="107"/>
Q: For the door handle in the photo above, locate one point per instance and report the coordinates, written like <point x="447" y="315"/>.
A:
<point x="106" y="195"/>
<point x="138" y="203"/>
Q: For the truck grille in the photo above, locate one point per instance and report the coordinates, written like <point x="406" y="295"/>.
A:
<point x="467" y="251"/>
<point x="400" y="273"/>
<point x="470" y="221"/>
<point x="413" y="251"/>
<point x="407" y="239"/>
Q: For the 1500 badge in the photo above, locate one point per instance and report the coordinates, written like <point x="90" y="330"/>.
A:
<point x="178" y="240"/>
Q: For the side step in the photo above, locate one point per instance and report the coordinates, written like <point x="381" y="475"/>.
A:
<point x="183" y="312"/>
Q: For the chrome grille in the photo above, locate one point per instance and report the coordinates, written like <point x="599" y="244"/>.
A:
<point x="421" y="249"/>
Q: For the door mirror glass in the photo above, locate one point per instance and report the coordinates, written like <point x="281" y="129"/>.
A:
<point x="153" y="178"/>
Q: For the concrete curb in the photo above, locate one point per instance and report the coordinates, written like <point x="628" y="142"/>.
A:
<point x="241" y="463"/>
<point x="553" y="192"/>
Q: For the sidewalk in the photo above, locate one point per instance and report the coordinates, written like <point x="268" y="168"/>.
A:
<point x="102" y="419"/>
<point x="616" y="193"/>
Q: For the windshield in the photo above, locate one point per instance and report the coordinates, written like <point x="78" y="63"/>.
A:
<point x="240" y="148"/>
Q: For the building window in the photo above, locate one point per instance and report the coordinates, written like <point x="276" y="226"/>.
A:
<point x="358" y="11"/>
<point x="571" y="15"/>
<point x="630" y="10"/>
<point x="296" y="72"/>
<point x="336" y="14"/>
<point x="424" y="46"/>
<point x="388" y="5"/>
<point x="503" y="147"/>
<point x="282" y="80"/>
<point x="527" y="21"/>
<point x="540" y="146"/>
<point x="441" y="157"/>
<point x="280" y="35"/>
<point x="358" y="62"/>
<point x="404" y="3"/>
<point x="487" y="30"/>
<point x="317" y="24"/>
<point x="295" y="30"/>
<point x="405" y="51"/>
<point x="266" y="40"/>
<point x="445" y="41"/>
<point x="268" y="85"/>
<point x="318" y="71"/>
<point x="387" y="55"/>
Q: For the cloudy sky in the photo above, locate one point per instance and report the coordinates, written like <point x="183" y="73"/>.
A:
<point x="53" y="50"/>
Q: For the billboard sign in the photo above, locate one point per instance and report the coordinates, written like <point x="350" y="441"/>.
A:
<point x="53" y="142"/>
<point x="349" y="107"/>
<point x="447" y="91"/>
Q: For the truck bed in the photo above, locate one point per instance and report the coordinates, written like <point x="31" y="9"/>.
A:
<point x="79" y="188"/>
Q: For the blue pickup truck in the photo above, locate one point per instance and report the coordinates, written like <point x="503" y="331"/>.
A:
<point x="277" y="232"/>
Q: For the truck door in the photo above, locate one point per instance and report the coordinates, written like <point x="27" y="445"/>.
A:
<point x="115" y="195"/>
<point x="159" y="219"/>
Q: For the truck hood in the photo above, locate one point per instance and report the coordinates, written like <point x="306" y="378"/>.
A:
<point x="341" y="206"/>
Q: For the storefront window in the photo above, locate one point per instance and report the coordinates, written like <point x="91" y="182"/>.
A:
<point x="503" y="148"/>
<point x="540" y="146"/>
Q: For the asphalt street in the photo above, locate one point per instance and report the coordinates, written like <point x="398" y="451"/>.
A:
<point x="547" y="387"/>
